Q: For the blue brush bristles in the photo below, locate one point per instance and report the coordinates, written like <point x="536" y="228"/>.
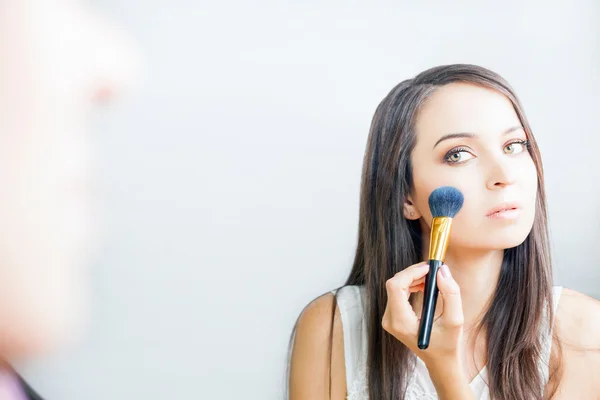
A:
<point x="445" y="201"/>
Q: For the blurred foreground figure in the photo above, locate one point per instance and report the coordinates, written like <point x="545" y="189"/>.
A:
<point x="57" y="59"/>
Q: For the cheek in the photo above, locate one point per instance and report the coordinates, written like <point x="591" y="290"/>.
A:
<point x="532" y="181"/>
<point x="530" y="189"/>
<point x="425" y="183"/>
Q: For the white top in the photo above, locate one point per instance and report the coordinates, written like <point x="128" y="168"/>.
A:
<point x="350" y="302"/>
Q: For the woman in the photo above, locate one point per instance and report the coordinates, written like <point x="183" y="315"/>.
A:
<point x="58" y="59"/>
<point x="502" y="331"/>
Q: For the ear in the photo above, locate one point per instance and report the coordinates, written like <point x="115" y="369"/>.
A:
<point x="410" y="210"/>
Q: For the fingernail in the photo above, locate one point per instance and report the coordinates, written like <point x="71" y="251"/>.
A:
<point x="446" y="271"/>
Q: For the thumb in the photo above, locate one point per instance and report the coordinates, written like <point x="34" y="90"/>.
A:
<point x="450" y="291"/>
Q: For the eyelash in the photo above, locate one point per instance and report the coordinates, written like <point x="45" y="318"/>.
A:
<point x="450" y="153"/>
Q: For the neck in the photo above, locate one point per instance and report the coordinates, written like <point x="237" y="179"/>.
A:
<point x="477" y="274"/>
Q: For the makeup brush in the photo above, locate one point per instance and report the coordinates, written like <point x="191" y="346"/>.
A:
<point x="444" y="202"/>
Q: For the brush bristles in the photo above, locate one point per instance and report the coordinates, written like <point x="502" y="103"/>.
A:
<point x="445" y="201"/>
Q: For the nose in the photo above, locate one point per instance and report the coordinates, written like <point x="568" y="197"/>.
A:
<point x="114" y="60"/>
<point x="501" y="174"/>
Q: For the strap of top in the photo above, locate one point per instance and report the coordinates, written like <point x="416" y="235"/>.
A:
<point x="350" y="303"/>
<point x="547" y="337"/>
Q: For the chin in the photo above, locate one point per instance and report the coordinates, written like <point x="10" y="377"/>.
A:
<point x="38" y="328"/>
<point x="492" y="239"/>
<point x="42" y="337"/>
<point x="508" y="239"/>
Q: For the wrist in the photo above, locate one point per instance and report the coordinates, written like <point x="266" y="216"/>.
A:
<point x="445" y="365"/>
<point x="446" y="372"/>
<point x="450" y="380"/>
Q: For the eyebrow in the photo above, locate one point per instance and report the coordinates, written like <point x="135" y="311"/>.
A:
<point x="472" y="135"/>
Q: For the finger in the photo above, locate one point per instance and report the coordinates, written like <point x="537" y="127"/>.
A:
<point x="398" y="291"/>
<point x="453" y="313"/>
<point x="419" y="281"/>
<point x="417" y="288"/>
<point x="411" y="274"/>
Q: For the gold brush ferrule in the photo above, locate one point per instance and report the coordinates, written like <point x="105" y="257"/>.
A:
<point x="440" y="233"/>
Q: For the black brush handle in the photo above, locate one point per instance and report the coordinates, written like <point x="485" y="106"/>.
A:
<point x="429" y="301"/>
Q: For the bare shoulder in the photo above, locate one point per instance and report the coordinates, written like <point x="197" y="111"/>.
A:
<point x="578" y="319"/>
<point x="318" y="351"/>
<point x="577" y="327"/>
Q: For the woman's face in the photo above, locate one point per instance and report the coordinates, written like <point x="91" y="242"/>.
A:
<point x="471" y="138"/>
<point x="57" y="60"/>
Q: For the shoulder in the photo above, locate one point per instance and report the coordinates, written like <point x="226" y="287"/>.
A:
<point x="318" y="316"/>
<point x="327" y="311"/>
<point x="578" y="319"/>
<point x="577" y="328"/>
<point x="318" y="351"/>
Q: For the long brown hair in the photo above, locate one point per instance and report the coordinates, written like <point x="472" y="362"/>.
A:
<point x="388" y="243"/>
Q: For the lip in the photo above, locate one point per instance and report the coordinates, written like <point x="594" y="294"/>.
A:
<point x="504" y="209"/>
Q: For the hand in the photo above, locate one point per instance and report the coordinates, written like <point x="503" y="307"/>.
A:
<point x="400" y="320"/>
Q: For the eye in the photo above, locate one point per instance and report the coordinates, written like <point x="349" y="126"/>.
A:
<point x="516" y="147"/>
<point x="458" y="156"/>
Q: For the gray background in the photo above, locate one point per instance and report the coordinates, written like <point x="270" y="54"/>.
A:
<point x="230" y="181"/>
